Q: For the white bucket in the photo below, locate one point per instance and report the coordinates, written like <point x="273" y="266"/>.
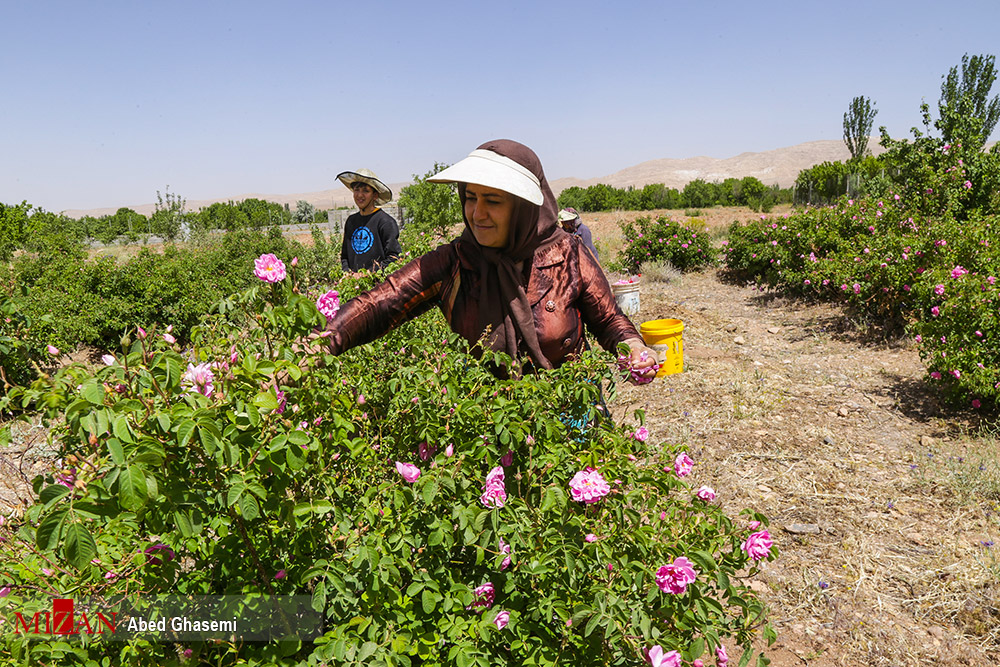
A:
<point x="627" y="296"/>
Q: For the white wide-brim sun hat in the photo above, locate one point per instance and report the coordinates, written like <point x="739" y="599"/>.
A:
<point x="368" y="177"/>
<point x="492" y="170"/>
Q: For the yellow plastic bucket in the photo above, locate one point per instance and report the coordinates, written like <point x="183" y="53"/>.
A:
<point x="665" y="337"/>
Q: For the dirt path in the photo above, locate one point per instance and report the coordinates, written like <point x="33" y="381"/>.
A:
<point x="880" y="510"/>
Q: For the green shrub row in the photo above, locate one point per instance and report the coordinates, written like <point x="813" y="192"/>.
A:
<point x="935" y="278"/>
<point x="62" y="298"/>
<point x="432" y="513"/>
<point x="648" y="240"/>
<point x="748" y="191"/>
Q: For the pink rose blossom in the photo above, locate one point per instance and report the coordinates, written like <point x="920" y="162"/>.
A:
<point x="449" y="451"/>
<point x="5" y="591"/>
<point x="504" y="549"/>
<point x="656" y="657"/>
<point x="410" y="472"/>
<point x="939" y="289"/>
<point x="674" y="578"/>
<point x="280" y="574"/>
<point x="484" y="597"/>
<point x="936" y="375"/>
<point x="957" y="373"/>
<point x="706" y="493"/>
<point x="641" y="434"/>
<point x="158" y="554"/>
<point x="976" y="403"/>
<point x="53" y="350"/>
<point x="425" y="451"/>
<point x="758" y="545"/>
<point x="721" y="656"/>
<point x="494" y="491"/>
<point x="328" y="304"/>
<point x="967" y="185"/>
<point x="590" y="538"/>
<point x="501" y="620"/>
<point x="588" y="486"/>
<point x="958" y="271"/>
<point x="199" y="377"/>
<point x="108" y="359"/>
<point x="169" y="338"/>
<point x="683" y="465"/>
<point x="269" y="268"/>
<point x="935" y="311"/>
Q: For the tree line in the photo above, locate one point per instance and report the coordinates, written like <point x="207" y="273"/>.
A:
<point x="29" y="228"/>
<point x="748" y="191"/>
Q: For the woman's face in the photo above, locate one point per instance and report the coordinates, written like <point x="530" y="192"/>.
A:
<point x="489" y="213"/>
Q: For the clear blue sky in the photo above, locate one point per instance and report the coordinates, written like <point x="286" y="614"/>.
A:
<point x="107" y="102"/>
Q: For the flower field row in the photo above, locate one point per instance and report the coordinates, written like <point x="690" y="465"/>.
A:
<point x="433" y="513"/>
<point x="934" y="277"/>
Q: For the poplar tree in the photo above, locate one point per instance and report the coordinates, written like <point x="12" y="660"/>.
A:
<point x="968" y="115"/>
<point x="858" y="125"/>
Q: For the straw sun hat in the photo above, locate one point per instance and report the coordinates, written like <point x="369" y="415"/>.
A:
<point x="493" y="170"/>
<point x="368" y="177"/>
<point x="568" y="214"/>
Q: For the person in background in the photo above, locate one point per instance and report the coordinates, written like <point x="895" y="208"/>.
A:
<point x="570" y="221"/>
<point x="512" y="275"/>
<point x="371" y="236"/>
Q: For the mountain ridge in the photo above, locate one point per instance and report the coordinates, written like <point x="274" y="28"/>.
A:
<point x="779" y="166"/>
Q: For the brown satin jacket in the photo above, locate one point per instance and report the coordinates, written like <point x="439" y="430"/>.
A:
<point x="566" y="289"/>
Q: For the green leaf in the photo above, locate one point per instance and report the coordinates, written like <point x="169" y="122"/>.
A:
<point x="132" y="488"/>
<point x="296" y="457"/>
<point x="52" y="493"/>
<point x="116" y="451"/>
<point x="429" y="491"/>
<point x="93" y="392"/>
<point x="591" y="624"/>
<point x="80" y="547"/>
<point x="183" y="522"/>
<point x="704" y="561"/>
<point x="249" y="507"/>
<point x="367" y="649"/>
<point x="429" y="600"/>
<point x="266" y="400"/>
<point x="184" y="431"/>
<point x="210" y="436"/>
<point x="50" y="530"/>
<point x="121" y="429"/>
<point x="298" y="438"/>
<point x="234" y="493"/>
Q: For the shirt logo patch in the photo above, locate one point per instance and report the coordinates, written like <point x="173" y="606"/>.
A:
<point x="362" y="240"/>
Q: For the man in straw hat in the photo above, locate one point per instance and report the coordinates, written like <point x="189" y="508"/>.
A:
<point x="371" y="236"/>
<point x="570" y="221"/>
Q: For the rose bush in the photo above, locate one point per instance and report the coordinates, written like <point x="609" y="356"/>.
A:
<point x="648" y="240"/>
<point x="902" y="259"/>
<point x="428" y="508"/>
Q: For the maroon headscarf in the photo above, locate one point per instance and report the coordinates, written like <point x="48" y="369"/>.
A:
<point x="503" y="302"/>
